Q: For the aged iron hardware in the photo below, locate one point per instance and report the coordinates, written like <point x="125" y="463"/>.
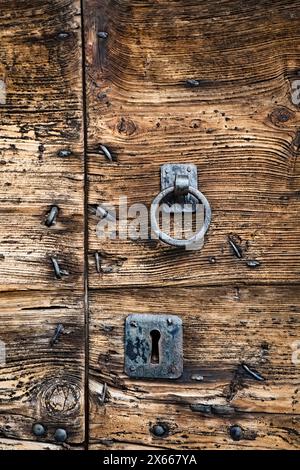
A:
<point x="106" y="152"/>
<point x="153" y="346"/>
<point x="184" y="175"/>
<point x="51" y="218"/>
<point x="180" y="192"/>
<point x="236" y="432"/>
<point x="59" y="273"/>
<point x="60" y="435"/>
<point x="160" y="430"/>
<point x="38" y="429"/>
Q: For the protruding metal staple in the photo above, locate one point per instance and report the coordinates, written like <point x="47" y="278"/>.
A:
<point x="58" y="331"/>
<point x="51" y="218"/>
<point x="103" y="394"/>
<point x="59" y="273"/>
<point x="102" y="34"/>
<point x="106" y="152"/>
<point x="253" y="374"/>
<point x="236" y="249"/>
<point x="192" y="82"/>
<point x="103" y="213"/>
<point x="98" y="262"/>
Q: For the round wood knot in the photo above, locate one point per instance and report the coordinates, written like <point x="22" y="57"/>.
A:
<point x="126" y="126"/>
<point x="61" y="398"/>
<point x="281" y="115"/>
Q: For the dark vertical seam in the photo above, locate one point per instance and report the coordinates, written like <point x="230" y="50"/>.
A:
<point x="85" y="217"/>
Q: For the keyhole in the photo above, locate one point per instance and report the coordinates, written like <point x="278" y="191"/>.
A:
<point x="155" y="337"/>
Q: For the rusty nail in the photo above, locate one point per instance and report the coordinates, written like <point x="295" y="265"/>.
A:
<point x="64" y="153"/>
<point x="102" y="396"/>
<point x="253" y="374"/>
<point x="106" y="152"/>
<point x="60" y="435"/>
<point x="56" y="268"/>
<point x="191" y="82"/>
<point x="98" y="262"/>
<point x="63" y="35"/>
<point x="38" y="429"/>
<point x="160" y="430"/>
<point x="58" y="331"/>
<point x="253" y="263"/>
<point x="236" y="249"/>
<point x="103" y="213"/>
<point x="57" y="271"/>
<point x="102" y="34"/>
<point x="197" y="377"/>
<point x="51" y="218"/>
<point x="236" y="433"/>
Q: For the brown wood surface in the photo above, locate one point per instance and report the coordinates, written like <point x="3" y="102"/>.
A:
<point x="240" y="126"/>
<point x="41" y="115"/>
<point x="223" y="329"/>
<point x="41" y="381"/>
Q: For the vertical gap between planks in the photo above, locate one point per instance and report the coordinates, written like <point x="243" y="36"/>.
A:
<point x="85" y="216"/>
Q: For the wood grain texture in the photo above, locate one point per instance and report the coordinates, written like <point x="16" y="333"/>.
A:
<point x="41" y="116"/>
<point x="223" y="328"/>
<point x="240" y="126"/>
<point x="41" y="165"/>
<point x="189" y="431"/>
<point x="41" y="381"/>
<point x="11" y="444"/>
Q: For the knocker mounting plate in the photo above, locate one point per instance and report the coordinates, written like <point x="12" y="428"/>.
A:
<point x="180" y="204"/>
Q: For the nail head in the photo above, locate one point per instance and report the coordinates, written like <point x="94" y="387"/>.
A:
<point x="38" y="430"/>
<point x="63" y="35"/>
<point x="102" y="34"/>
<point x="236" y="433"/>
<point x="60" y="435"/>
<point x="253" y="263"/>
<point x="64" y="153"/>
<point x="159" y="430"/>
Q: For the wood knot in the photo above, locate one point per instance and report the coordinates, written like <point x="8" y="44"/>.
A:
<point x="296" y="142"/>
<point x="281" y="115"/>
<point x="61" y="398"/>
<point x="126" y="126"/>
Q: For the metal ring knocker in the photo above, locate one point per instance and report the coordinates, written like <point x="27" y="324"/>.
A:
<point x="181" y="187"/>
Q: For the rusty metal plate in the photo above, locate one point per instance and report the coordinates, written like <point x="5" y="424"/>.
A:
<point x="168" y="173"/>
<point x="153" y="346"/>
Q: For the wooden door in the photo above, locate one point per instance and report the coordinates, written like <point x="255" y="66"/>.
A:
<point x="209" y="83"/>
<point x="94" y="97"/>
<point x="42" y="166"/>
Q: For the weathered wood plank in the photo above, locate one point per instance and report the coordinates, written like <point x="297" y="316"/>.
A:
<point x="41" y="381"/>
<point x="11" y="444"/>
<point x="187" y="430"/>
<point x="41" y="142"/>
<point x="27" y="246"/>
<point x="239" y="125"/>
<point x="238" y="121"/>
<point x="41" y="165"/>
<point x="223" y="329"/>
